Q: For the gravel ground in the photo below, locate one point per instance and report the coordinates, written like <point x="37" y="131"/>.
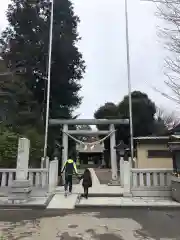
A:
<point x="91" y="224"/>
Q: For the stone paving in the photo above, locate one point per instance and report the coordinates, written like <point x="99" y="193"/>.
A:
<point x="95" y="179"/>
<point x="127" y="202"/>
<point x="104" y="175"/>
<point x="72" y="201"/>
<point x="90" y="225"/>
<point x="59" y="201"/>
<point x="97" y="189"/>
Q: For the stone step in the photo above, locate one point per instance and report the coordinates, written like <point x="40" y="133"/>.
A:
<point x="125" y="202"/>
<point x="21" y="190"/>
<point x="100" y="190"/>
<point x="19" y="197"/>
<point x="102" y="195"/>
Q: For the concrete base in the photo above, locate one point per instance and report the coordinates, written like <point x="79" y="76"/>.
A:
<point x="127" y="194"/>
<point x="151" y="193"/>
<point x="21" y="184"/>
<point x="175" y="183"/>
<point x="33" y="203"/>
<point x="20" y="192"/>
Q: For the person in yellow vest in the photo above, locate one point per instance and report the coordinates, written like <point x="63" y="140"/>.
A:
<point x="69" y="168"/>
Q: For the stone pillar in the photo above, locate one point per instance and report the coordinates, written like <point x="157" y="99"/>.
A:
<point x="65" y="148"/>
<point x="53" y="175"/>
<point x="22" y="159"/>
<point x="65" y="144"/>
<point x="47" y="163"/>
<point x="21" y="187"/>
<point x="103" y="164"/>
<point x="130" y="162"/>
<point x="134" y="162"/>
<point x="121" y="171"/>
<point x="113" y="154"/>
<point x="127" y="179"/>
<point x="78" y="160"/>
<point x="42" y="162"/>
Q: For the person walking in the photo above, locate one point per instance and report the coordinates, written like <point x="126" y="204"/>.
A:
<point x="87" y="182"/>
<point x="69" y="168"/>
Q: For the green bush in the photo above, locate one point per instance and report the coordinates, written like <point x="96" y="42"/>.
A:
<point x="9" y="147"/>
<point x="36" y="146"/>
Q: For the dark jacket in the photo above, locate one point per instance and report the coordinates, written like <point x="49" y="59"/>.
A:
<point x="87" y="179"/>
<point x="69" y="167"/>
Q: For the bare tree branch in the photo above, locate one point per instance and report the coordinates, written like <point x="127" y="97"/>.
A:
<point x="170" y="119"/>
<point x="170" y="12"/>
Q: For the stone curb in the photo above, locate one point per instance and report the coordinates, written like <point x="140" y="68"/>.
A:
<point x="80" y="196"/>
<point x="105" y="195"/>
<point x="22" y="206"/>
<point x="50" y="197"/>
<point x="96" y="194"/>
<point x="150" y="207"/>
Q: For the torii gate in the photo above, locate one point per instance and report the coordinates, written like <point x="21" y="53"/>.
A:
<point x="111" y="133"/>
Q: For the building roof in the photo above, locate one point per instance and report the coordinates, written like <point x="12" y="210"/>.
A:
<point x="175" y="129"/>
<point x="152" y="138"/>
<point x="176" y="136"/>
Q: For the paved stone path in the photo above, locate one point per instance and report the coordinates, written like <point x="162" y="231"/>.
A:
<point x="127" y="202"/>
<point x="100" y="189"/>
<point x="95" y="180"/>
<point x="59" y="201"/>
<point x="104" y="175"/>
<point x="115" y="224"/>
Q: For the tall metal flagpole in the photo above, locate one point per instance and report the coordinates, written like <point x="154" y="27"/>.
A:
<point x="49" y="78"/>
<point x="129" y="80"/>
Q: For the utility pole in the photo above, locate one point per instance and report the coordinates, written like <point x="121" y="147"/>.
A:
<point x="49" y="79"/>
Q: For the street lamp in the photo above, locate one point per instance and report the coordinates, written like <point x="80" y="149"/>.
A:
<point x="129" y="81"/>
<point x="49" y="79"/>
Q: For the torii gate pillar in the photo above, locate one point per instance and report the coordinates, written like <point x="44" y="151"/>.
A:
<point x="113" y="153"/>
<point x="65" y="144"/>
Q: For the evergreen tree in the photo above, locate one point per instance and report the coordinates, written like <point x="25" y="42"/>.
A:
<point x="20" y="117"/>
<point x="17" y="104"/>
<point x="25" y="44"/>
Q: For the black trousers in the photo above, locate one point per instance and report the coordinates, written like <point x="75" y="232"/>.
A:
<point x="68" y="183"/>
<point x="86" y="191"/>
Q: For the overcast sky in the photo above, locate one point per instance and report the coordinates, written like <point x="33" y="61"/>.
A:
<point x="103" y="45"/>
